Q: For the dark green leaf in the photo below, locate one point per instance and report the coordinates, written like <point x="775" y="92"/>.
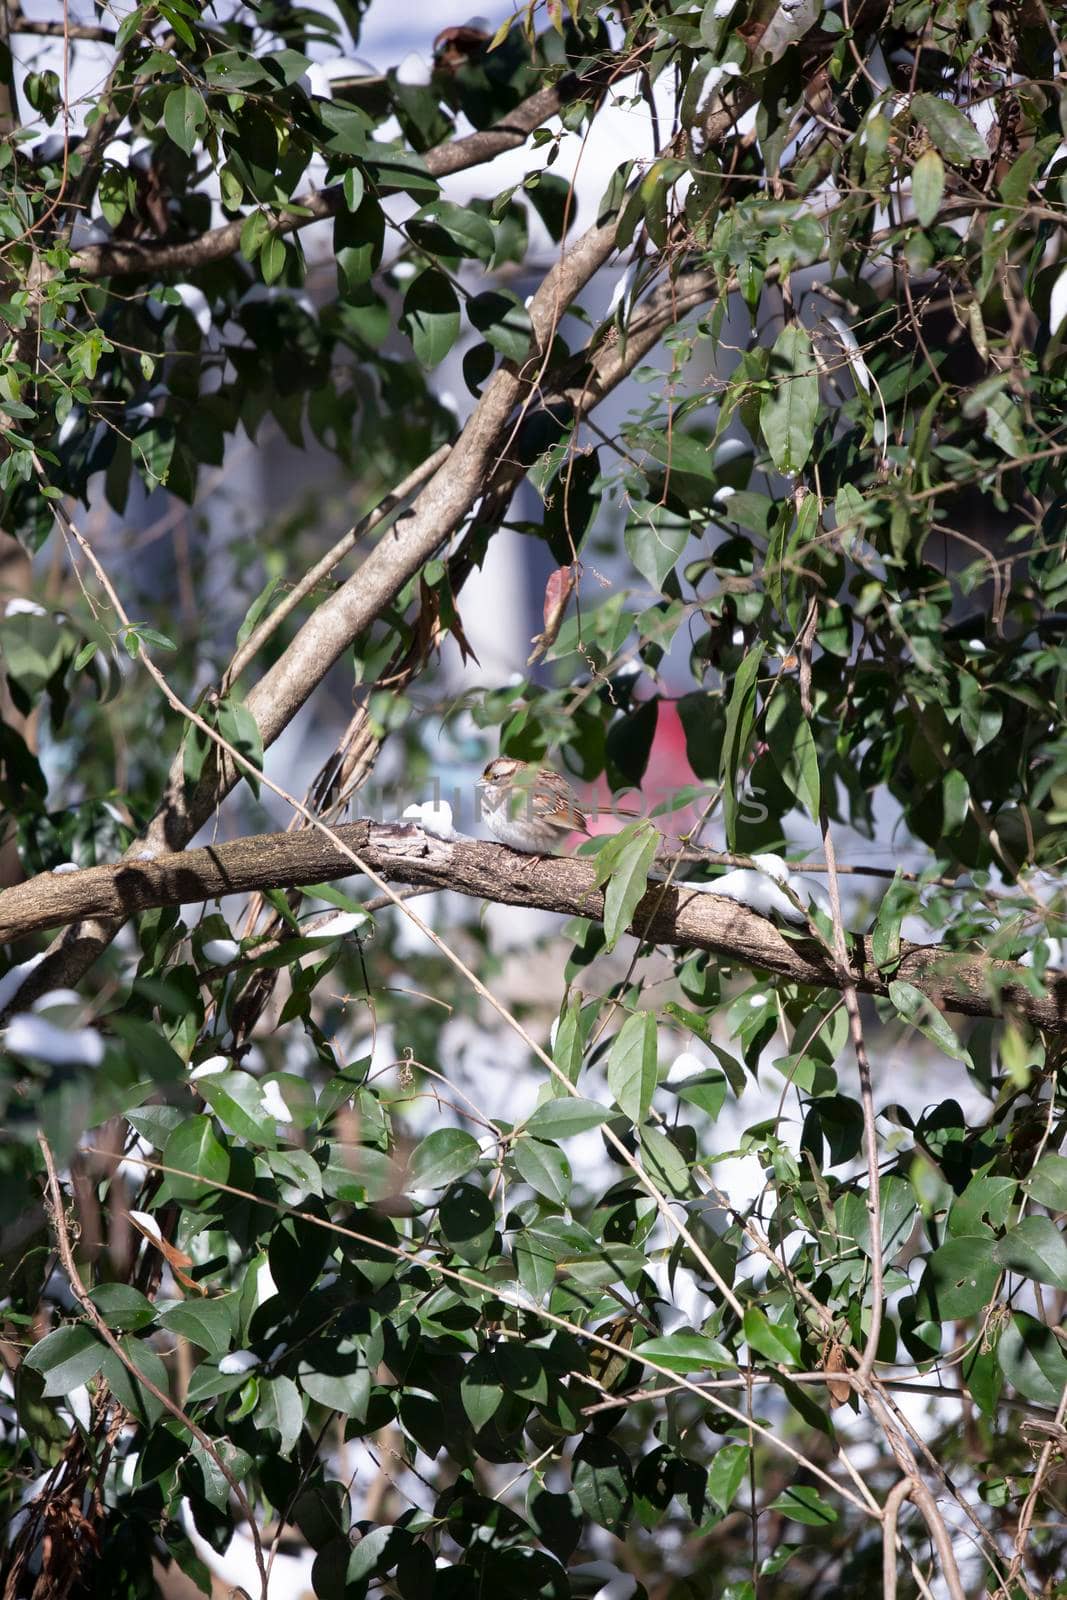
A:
<point x="66" y="1358"/>
<point x="1036" y="1248"/>
<point x="441" y="1158"/>
<point x="632" y="1065"/>
<point x="950" y="130"/>
<point x="789" y="409"/>
<point x="563" y="1118"/>
<point x="184" y="114"/>
<point x="431" y="317"/>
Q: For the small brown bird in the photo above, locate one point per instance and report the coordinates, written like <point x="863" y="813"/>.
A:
<point x="529" y="808"/>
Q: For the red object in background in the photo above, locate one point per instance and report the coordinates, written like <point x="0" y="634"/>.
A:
<point x="668" y="771"/>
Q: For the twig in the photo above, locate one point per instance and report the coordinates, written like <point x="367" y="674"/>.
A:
<point x="17" y="23"/>
<point x="392" y="503"/>
<point x="133" y="257"/>
<point x="518" y="1302"/>
<point x="896" y="1497"/>
<point x="1052" y="1446"/>
<point x="855" y="1022"/>
<point x="81" y="1294"/>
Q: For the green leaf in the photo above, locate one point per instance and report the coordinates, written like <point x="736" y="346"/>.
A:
<point x="480" y="1390"/>
<point x="354" y="187"/>
<point x="664" y="1163"/>
<point x="272" y="258"/>
<point x="980" y="715"/>
<point x="255" y="231"/>
<point x="564" y="1118"/>
<point x="209" y="1323"/>
<point x="1047" y="1183"/>
<point x="1033" y="1361"/>
<point x="655" y="538"/>
<point x="431" y="317"/>
<point x="686" y="1351"/>
<point x="802" y="1503"/>
<point x="916" y="1008"/>
<point x="705" y="1090"/>
<point x="298" y="1175"/>
<point x="468" y="1222"/>
<point x="793" y="747"/>
<point x="950" y="131"/>
<point x="960" y="1277"/>
<point x="122" y="1306"/>
<point x="632" y="1065"/>
<point x="1036" y="1248"/>
<point x="469" y="232"/>
<point x="281" y="1408"/>
<point x="236" y="1099"/>
<point x="544" y="1168"/>
<point x="358" y="240"/>
<point x="239" y="727"/>
<point x="772" y="1340"/>
<point x="142" y="1405"/>
<point x="184" y="114"/>
<point x="441" y="1158"/>
<point x="623" y="863"/>
<point x="503" y="322"/>
<point x="535" y="1264"/>
<point x="66" y="1358"/>
<point x="740" y="715"/>
<point x="346" y="1392"/>
<point x="927" y="186"/>
<point x="727" y="1473"/>
<point x="194" y="1148"/>
<point x="789" y="409"/>
<point x="603" y="1481"/>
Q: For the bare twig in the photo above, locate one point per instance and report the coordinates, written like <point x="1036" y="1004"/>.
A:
<point x="896" y="1497"/>
<point x="518" y="1302"/>
<point x="392" y="503"/>
<point x="81" y="1294"/>
<point x="855" y="1023"/>
<point x="1053" y="1446"/>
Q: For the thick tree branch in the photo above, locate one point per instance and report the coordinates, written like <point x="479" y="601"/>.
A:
<point x="138" y="256"/>
<point x="974" y="985"/>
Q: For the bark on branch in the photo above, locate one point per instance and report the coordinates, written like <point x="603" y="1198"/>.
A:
<point x="974" y="985"/>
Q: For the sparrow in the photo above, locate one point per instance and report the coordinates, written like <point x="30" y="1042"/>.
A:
<point x="529" y="808"/>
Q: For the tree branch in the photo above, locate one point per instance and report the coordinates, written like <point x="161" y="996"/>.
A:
<point x="18" y="24"/>
<point x="974" y="985"/>
<point x="137" y="257"/>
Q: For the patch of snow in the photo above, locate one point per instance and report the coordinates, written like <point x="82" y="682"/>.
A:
<point x="220" y="952"/>
<point x="211" y="1065"/>
<point x="12" y="981"/>
<point x="238" y="1361"/>
<point x="28" y="1035"/>
<point x="273" y="1103"/>
<point x="414" y="71"/>
<point x="857" y="366"/>
<point x="434" y="817"/>
<point x="343" y="922"/>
